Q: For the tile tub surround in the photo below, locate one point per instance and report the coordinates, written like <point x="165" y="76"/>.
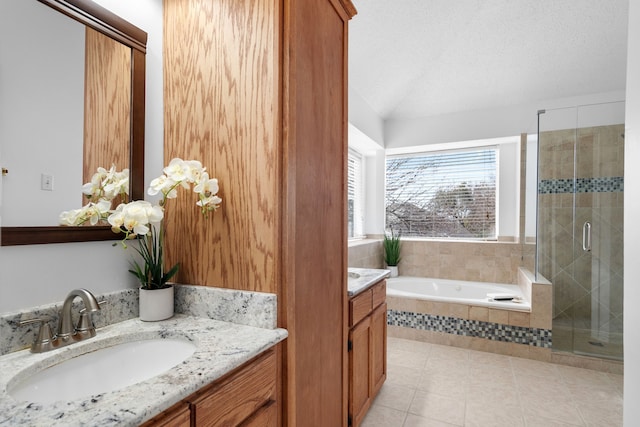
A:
<point x="246" y="308"/>
<point x="494" y="262"/>
<point x="221" y="347"/>
<point x="467" y="321"/>
<point x="527" y="334"/>
<point x="366" y="253"/>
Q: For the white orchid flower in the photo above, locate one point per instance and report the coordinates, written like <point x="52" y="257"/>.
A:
<point x="69" y="217"/>
<point x="97" y="211"/>
<point x="135" y="217"/>
<point x="178" y="170"/>
<point x="210" y="203"/>
<point x="206" y="186"/>
<point x="165" y="185"/>
<point x="195" y="170"/>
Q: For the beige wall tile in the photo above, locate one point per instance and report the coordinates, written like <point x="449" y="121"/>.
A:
<point x="520" y="350"/>
<point x="440" y="308"/>
<point x="540" y="353"/>
<point x="461" y="311"/>
<point x="499" y="347"/>
<point x="459" y="341"/>
<point x="424" y="306"/>
<point x="498" y="316"/>
<point x="518" y="318"/>
<point x="479" y="313"/>
<point x="472" y="261"/>
<point x="479" y="344"/>
<point x="541" y="313"/>
<point x="365" y="254"/>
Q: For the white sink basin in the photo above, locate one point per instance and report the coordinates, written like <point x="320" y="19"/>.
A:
<point x="354" y="275"/>
<point x="100" y="371"/>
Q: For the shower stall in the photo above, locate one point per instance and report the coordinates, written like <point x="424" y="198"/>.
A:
<point x="580" y="225"/>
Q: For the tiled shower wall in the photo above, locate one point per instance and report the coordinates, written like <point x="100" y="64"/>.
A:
<point x="496" y="262"/>
<point x="587" y="285"/>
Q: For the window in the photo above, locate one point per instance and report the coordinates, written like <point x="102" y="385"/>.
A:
<point x="355" y="199"/>
<point x="443" y="194"/>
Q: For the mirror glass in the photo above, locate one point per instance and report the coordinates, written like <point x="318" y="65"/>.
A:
<point x="72" y="80"/>
<point x="64" y="110"/>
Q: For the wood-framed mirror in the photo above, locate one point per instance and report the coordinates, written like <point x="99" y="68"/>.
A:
<point x="98" y="20"/>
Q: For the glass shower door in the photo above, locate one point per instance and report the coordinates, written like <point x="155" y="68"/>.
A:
<point x="580" y="224"/>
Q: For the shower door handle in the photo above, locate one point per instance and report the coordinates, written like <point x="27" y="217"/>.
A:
<point x="586" y="237"/>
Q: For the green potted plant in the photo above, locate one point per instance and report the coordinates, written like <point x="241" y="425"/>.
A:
<point x="144" y="221"/>
<point x="391" y="246"/>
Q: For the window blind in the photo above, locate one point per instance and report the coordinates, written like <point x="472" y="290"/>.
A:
<point x="443" y="194"/>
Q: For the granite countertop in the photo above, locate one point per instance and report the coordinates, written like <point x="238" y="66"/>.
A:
<point x="359" y="279"/>
<point x="221" y="347"/>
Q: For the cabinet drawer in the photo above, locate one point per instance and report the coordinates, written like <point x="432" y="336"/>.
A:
<point x="360" y="306"/>
<point x="237" y="398"/>
<point x="379" y="293"/>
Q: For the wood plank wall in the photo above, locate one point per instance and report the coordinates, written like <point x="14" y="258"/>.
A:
<point x="222" y="108"/>
<point x="107" y="104"/>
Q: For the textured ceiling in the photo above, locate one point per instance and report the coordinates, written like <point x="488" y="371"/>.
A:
<point x="416" y="58"/>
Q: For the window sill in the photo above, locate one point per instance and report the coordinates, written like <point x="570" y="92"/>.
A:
<point x="361" y="241"/>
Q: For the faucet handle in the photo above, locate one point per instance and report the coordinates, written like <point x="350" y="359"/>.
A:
<point x="44" y="340"/>
<point x="85" y="326"/>
<point x="100" y="304"/>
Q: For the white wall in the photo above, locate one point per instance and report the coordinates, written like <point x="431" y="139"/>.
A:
<point x="486" y="124"/>
<point x="631" y="230"/>
<point x="362" y="116"/>
<point x="374" y="194"/>
<point x="42" y="91"/>
<point x="40" y="274"/>
<point x="509" y="184"/>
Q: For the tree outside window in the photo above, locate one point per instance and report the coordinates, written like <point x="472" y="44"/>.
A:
<point x="449" y="194"/>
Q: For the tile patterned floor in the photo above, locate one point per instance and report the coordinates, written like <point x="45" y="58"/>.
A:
<point x="442" y="386"/>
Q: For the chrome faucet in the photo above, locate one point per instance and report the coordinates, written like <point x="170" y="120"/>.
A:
<point x="66" y="329"/>
<point x="67" y="333"/>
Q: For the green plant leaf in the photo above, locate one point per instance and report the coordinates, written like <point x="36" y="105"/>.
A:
<point x="169" y="274"/>
<point x="391" y="246"/>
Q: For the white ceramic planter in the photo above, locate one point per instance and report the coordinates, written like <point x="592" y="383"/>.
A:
<point x="156" y="304"/>
<point x="393" y="269"/>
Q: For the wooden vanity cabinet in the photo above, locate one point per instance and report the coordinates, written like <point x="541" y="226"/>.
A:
<point x="179" y="415"/>
<point x="257" y="91"/>
<point x="367" y="349"/>
<point x="245" y="397"/>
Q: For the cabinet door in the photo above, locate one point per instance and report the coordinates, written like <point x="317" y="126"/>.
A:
<point x="359" y="371"/>
<point x="267" y="416"/>
<point x="378" y="358"/>
<point x="178" y="415"/>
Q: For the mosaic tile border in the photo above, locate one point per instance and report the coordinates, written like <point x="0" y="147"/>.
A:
<point x="471" y="328"/>
<point x="605" y="184"/>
